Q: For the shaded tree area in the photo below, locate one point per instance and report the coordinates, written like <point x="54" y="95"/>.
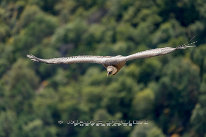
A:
<point x="169" y="91"/>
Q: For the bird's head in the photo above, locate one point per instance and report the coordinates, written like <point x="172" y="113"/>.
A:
<point x="111" y="70"/>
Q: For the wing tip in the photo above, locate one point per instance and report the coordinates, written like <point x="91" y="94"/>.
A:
<point x="189" y="45"/>
<point x="33" y="58"/>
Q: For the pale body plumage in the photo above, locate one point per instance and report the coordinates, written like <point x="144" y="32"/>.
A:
<point x="112" y="63"/>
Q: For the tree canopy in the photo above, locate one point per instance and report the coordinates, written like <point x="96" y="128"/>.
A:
<point x="168" y="91"/>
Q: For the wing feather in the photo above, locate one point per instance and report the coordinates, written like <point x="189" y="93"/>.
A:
<point x="71" y="60"/>
<point x="156" y="52"/>
<point x="150" y="53"/>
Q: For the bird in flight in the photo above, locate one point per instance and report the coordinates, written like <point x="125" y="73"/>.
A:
<point x="112" y="63"/>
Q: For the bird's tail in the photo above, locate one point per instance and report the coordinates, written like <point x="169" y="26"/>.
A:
<point x="33" y="58"/>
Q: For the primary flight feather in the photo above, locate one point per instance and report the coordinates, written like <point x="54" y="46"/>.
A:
<point x="112" y="63"/>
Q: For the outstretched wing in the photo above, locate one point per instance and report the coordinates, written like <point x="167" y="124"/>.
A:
<point x="70" y="60"/>
<point x="156" y="52"/>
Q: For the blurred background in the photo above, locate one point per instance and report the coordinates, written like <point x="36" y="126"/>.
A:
<point x="169" y="91"/>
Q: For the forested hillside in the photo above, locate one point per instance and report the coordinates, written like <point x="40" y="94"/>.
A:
<point x="168" y="91"/>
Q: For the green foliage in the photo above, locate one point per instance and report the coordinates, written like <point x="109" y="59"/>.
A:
<point x="198" y="56"/>
<point x="150" y="130"/>
<point x="20" y="82"/>
<point x="34" y="128"/>
<point x="198" y="119"/>
<point x="8" y="125"/>
<point x="143" y="104"/>
<point x="169" y="90"/>
<point x="174" y="93"/>
<point x="33" y="26"/>
<point x="149" y="71"/>
<point x="4" y="31"/>
<point x="166" y="31"/>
